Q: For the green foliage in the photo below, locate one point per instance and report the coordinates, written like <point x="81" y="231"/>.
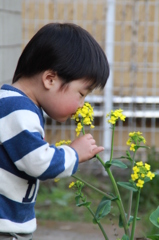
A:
<point x="150" y="195"/>
<point x="129" y="222"/>
<point x="128" y="185"/>
<point x="103" y="209"/>
<point x="125" y="237"/>
<point x="116" y="163"/>
<point x="154" y="217"/>
<point x="153" y="237"/>
<point x="55" y="201"/>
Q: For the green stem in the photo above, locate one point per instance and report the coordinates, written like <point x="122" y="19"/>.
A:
<point x="135" y="216"/>
<point x="94" y="188"/>
<point x="131" y="192"/>
<point x="101" y="161"/>
<point x="99" y="224"/>
<point x="119" y="202"/>
<point x="112" y="144"/>
<point x="83" y="131"/>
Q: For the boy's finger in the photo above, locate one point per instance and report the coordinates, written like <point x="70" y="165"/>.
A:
<point x="97" y="150"/>
<point x="89" y="136"/>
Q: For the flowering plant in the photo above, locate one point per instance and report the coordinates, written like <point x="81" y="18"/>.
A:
<point x="140" y="175"/>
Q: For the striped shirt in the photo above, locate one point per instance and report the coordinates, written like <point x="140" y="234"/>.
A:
<point x="25" y="158"/>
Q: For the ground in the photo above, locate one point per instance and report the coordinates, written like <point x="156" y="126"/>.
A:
<point x="51" y="230"/>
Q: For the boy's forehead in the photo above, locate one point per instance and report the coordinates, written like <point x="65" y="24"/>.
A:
<point x="88" y="85"/>
<point x="89" y="88"/>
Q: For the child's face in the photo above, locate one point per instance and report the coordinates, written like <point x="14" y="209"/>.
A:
<point x="62" y="103"/>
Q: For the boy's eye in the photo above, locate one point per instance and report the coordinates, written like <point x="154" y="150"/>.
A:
<point x="82" y="94"/>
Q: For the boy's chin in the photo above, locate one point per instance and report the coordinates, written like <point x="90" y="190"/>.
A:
<point x="62" y="119"/>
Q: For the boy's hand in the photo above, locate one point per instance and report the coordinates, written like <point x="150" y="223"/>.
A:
<point x="86" y="147"/>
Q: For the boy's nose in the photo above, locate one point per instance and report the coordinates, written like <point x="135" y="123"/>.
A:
<point x="81" y="103"/>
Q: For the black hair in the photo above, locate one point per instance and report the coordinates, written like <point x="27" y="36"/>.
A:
<point x="66" y="49"/>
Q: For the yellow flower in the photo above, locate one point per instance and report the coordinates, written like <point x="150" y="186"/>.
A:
<point x="122" y="118"/>
<point x="134" y="177"/>
<point x="139" y="133"/>
<point x="150" y="175"/>
<point x="131" y="134"/>
<point x="141" y="171"/>
<point x="147" y="166"/>
<point x="115" y="115"/>
<point x="83" y="116"/>
<point x="78" y="128"/>
<point x="136" y="169"/>
<point x="140" y="183"/>
<point x="144" y="141"/>
<point x="63" y="142"/>
<point x="132" y="147"/>
<point x="56" y="179"/>
<point x="128" y="142"/>
<point x="112" y="120"/>
<point x="135" y="138"/>
<point x="139" y="163"/>
<point x="71" y="184"/>
<point x="87" y="121"/>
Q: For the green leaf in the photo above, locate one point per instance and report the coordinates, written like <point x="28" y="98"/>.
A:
<point x="147" y="179"/>
<point x="128" y="186"/>
<point x="77" y="199"/>
<point x="125" y="157"/>
<point x="138" y="146"/>
<point x="114" y="198"/>
<point x="115" y="162"/>
<point x="87" y="204"/>
<point x="128" y="153"/>
<point x="118" y="163"/>
<point x="154" y="237"/>
<point x="125" y="237"/>
<point x="154" y="217"/>
<point x="103" y="209"/>
<point x="129" y="222"/>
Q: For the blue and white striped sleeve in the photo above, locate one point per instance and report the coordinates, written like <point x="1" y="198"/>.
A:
<point x="23" y="140"/>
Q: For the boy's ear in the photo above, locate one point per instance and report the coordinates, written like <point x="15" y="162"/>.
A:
<point x="48" y="78"/>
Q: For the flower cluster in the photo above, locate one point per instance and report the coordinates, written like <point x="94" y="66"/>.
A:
<point x="77" y="184"/>
<point x="134" y="140"/>
<point x="83" y="116"/>
<point x="63" y="142"/>
<point x="56" y="179"/>
<point x="115" y="115"/>
<point x="71" y="184"/>
<point x="140" y="172"/>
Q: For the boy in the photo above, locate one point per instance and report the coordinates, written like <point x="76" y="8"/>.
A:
<point x="60" y="65"/>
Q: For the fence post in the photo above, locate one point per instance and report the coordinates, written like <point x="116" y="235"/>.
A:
<point x="108" y="91"/>
<point x="10" y="38"/>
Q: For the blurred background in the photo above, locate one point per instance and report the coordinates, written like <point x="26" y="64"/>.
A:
<point x="128" y="32"/>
